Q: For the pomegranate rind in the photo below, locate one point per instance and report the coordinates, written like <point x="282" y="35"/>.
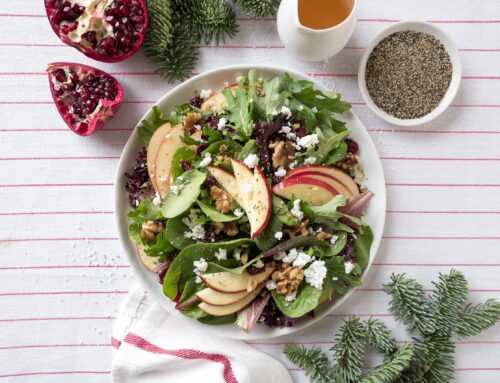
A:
<point x="97" y="119"/>
<point x="89" y="52"/>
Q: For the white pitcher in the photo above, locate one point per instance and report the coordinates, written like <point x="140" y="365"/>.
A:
<point x="312" y="44"/>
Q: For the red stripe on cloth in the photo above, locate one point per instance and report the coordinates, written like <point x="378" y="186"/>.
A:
<point x="442" y="185"/>
<point x="439" y="238"/>
<point x="145" y="345"/>
<point x="115" y="343"/>
<point x="56" y="346"/>
<point x="56" y="213"/>
<point x="55" y="319"/>
<point x="65" y="267"/>
<point x="54" y="373"/>
<point x="55" y="185"/>
<point x="59" y="239"/>
<point x="29" y="293"/>
<point x="436" y="159"/>
<point x="438" y="264"/>
<point x="436" y="212"/>
<point x="434" y="131"/>
<point x="59" y="158"/>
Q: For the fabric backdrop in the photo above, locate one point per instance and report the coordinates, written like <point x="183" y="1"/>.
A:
<point x="63" y="274"/>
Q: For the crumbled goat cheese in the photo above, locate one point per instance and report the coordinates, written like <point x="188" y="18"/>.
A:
<point x="251" y="160"/>
<point x="286" y="102"/>
<point x="259" y="264"/>
<point x="310" y="160"/>
<point x="237" y="254"/>
<point x="308" y="141"/>
<point x="198" y="279"/>
<point x="207" y="160"/>
<point x="290" y="256"/>
<point x="285" y="129"/>
<point x="286" y="111"/>
<point x="221" y="254"/>
<point x="206" y="93"/>
<point x="174" y="189"/>
<point x="247" y="189"/>
<point x="315" y="274"/>
<point x="197" y="232"/>
<point x="274" y="112"/>
<point x="222" y="122"/>
<point x="278" y="235"/>
<point x="271" y="285"/>
<point x="314" y="109"/>
<point x="197" y="127"/>
<point x="349" y="267"/>
<point x="292" y="165"/>
<point x="296" y="211"/>
<point x="279" y="256"/>
<point x="301" y="260"/>
<point x="200" y="266"/>
<point x="191" y="220"/>
<point x="157" y="200"/>
<point x="292" y="296"/>
<point x="301" y="107"/>
<point x="281" y="172"/>
<point x="238" y="212"/>
<point x="333" y="239"/>
<point x="292" y="137"/>
<point x="335" y="278"/>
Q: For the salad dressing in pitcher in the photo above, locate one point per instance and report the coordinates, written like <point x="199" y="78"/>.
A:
<point x="323" y="14"/>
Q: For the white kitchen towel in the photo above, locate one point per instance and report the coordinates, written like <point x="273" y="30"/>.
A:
<point x="153" y="346"/>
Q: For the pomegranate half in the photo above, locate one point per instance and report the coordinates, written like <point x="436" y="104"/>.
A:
<point x="105" y="30"/>
<point x="85" y="97"/>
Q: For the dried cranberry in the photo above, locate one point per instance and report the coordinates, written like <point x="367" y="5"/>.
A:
<point x="352" y="146"/>
<point x="209" y="182"/>
<point x="200" y="148"/>
<point x="213" y="122"/>
<point x="186" y="165"/>
<point x="196" y="101"/>
<point x="252" y="270"/>
<point x="301" y="132"/>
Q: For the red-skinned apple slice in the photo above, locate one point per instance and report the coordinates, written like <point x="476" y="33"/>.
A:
<point x="333" y="182"/>
<point x="339" y="175"/>
<point x="148" y="262"/>
<point x="308" y="189"/>
<point x="171" y="142"/>
<point x="217" y="102"/>
<point x="226" y="282"/>
<point x="227" y="181"/>
<point x="153" y="146"/>
<point x="229" y="309"/>
<point x="216" y="298"/>
<point x="256" y="195"/>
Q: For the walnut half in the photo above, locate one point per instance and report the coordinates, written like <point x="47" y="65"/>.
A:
<point x="222" y="199"/>
<point x="283" y="155"/>
<point x="151" y="229"/>
<point x="287" y="278"/>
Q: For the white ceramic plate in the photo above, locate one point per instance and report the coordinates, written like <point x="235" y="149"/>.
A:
<point x="456" y="77"/>
<point x="214" y="79"/>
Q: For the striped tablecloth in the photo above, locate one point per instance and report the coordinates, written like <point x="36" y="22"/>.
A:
<point x="62" y="273"/>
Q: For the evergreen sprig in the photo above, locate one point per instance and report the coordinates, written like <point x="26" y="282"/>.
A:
<point x="219" y="20"/>
<point x="258" y="8"/>
<point x="432" y="320"/>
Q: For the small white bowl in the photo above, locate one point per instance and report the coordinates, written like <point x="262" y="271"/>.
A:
<point x="449" y="45"/>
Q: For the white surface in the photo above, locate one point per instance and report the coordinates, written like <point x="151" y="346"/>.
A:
<point x="146" y="355"/>
<point x="456" y="76"/>
<point x="59" y="291"/>
<point x="375" y="214"/>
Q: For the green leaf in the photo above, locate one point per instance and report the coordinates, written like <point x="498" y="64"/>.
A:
<point x="295" y="242"/>
<point x="232" y="147"/>
<point x="188" y="140"/>
<point x="161" y="247"/>
<point x="476" y="319"/>
<point x="282" y="212"/>
<point x="337" y="154"/>
<point x="233" y="270"/>
<point x="214" y="214"/>
<point x="339" y="244"/>
<point x="181" y="270"/>
<point x="449" y="296"/>
<point x="312" y="360"/>
<point x="326" y="145"/>
<point x="239" y="111"/>
<point x="349" y="351"/>
<point x="148" y="126"/>
<point x="306" y="300"/>
<point x="249" y="148"/>
<point x="222" y="265"/>
<point x="213" y="321"/>
<point x="392" y="368"/>
<point x="146" y="211"/>
<point x="176" y="204"/>
<point x="321" y="100"/>
<point x="336" y="269"/>
<point x="266" y="240"/>
<point x="362" y="245"/>
<point x="174" y="232"/>
<point x="273" y="98"/>
<point x="182" y="153"/>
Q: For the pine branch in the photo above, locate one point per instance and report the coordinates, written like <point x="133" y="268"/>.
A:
<point x="441" y="360"/>
<point x="476" y="319"/>
<point x="449" y="297"/>
<point x="411" y="304"/>
<point x="218" y="20"/>
<point x="391" y="369"/>
<point x="189" y="13"/>
<point x="160" y="25"/>
<point x="313" y="360"/>
<point x="349" y="351"/>
<point x="379" y="336"/>
<point x="259" y="8"/>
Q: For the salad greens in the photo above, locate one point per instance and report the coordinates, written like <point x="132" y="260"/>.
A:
<point x="227" y="226"/>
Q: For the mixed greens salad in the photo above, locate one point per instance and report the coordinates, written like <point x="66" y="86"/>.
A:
<point x="246" y="205"/>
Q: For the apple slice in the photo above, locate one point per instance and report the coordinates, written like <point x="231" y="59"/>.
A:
<point x="226" y="282"/>
<point x="308" y="189"/>
<point x="217" y="102"/>
<point x="148" y="262"/>
<point x="333" y="182"/>
<point x="256" y="195"/>
<point x="169" y="145"/>
<point x="227" y="181"/>
<point x="216" y="298"/>
<point x="153" y="146"/>
<point x="342" y="177"/>
<point x="219" y="311"/>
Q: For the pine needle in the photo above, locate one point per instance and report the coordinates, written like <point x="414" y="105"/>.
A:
<point x="160" y="26"/>
<point x="390" y="370"/>
<point x="259" y="8"/>
<point x="313" y="360"/>
<point x="411" y="304"/>
<point x="476" y="319"/>
<point x="379" y="336"/>
<point x="441" y="360"/>
<point x="450" y="297"/>
<point x="218" y="20"/>
<point x="349" y="351"/>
